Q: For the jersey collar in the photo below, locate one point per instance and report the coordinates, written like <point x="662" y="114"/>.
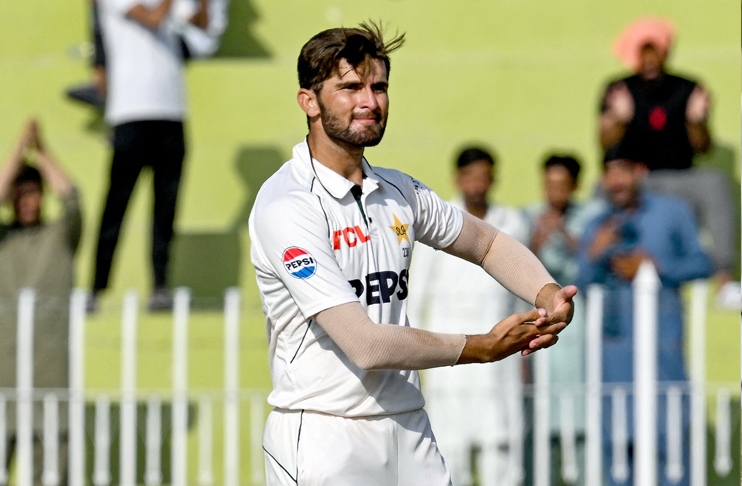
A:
<point x="337" y="185"/>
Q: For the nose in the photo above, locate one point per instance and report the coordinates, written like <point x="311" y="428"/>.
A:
<point x="368" y="99"/>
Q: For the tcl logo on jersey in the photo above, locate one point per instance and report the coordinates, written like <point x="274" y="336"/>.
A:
<point x="299" y="262"/>
<point x="352" y="237"/>
<point x="381" y="286"/>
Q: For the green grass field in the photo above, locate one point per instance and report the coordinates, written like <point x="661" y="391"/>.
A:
<point x="523" y="77"/>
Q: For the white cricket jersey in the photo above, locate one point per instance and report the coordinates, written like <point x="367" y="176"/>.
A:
<point x="315" y="247"/>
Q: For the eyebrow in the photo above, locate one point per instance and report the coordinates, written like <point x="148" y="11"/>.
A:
<point x="346" y="84"/>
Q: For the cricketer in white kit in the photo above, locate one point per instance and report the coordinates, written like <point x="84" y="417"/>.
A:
<point x="332" y="238"/>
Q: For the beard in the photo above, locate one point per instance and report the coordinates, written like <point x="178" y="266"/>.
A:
<point x="334" y="127"/>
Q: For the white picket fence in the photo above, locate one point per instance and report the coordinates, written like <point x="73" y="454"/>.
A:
<point x="129" y="395"/>
<point x="645" y="389"/>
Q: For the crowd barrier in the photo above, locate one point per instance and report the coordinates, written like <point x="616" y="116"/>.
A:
<point x="98" y="422"/>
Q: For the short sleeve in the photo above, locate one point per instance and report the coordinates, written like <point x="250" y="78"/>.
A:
<point x="291" y="242"/>
<point x="437" y="222"/>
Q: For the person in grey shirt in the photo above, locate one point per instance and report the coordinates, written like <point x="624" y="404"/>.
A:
<point x="37" y="254"/>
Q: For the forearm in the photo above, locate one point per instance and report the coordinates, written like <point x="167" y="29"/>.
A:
<point x="503" y="257"/>
<point x="53" y="174"/>
<point x="477" y="349"/>
<point x="611" y="130"/>
<point x="201" y="18"/>
<point x="699" y="136"/>
<point x="372" y="346"/>
<point x="150" y="17"/>
<point x="10" y="170"/>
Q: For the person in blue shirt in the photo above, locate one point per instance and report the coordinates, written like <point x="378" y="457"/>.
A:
<point x="639" y="225"/>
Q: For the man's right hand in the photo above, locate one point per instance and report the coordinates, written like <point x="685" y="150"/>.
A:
<point x="525" y="331"/>
<point x="620" y="103"/>
<point x="606" y="235"/>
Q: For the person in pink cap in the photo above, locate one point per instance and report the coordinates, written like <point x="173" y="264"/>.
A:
<point x="663" y="119"/>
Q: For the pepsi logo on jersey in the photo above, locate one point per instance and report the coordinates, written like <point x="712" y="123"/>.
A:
<point x="381" y="286"/>
<point x="299" y="262"/>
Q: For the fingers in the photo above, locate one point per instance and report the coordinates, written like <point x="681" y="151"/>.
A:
<point x="536" y="316"/>
<point x="551" y="328"/>
<point x="541" y="342"/>
<point x="567" y="292"/>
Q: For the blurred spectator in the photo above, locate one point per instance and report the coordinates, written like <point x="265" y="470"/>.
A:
<point x="38" y="255"/>
<point x="200" y="38"/>
<point x="556" y="226"/>
<point x="663" y="120"/>
<point x="471" y="407"/>
<point x="94" y="93"/>
<point x="146" y="108"/>
<point x="640" y="225"/>
<point x="201" y="35"/>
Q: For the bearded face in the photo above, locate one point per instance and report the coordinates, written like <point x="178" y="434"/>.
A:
<point x="354" y="103"/>
<point x="360" y="129"/>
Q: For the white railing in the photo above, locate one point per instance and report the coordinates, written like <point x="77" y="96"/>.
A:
<point x="128" y="398"/>
<point x="645" y="390"/>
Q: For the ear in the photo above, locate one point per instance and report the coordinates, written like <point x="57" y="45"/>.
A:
<point x="308" y="102"/>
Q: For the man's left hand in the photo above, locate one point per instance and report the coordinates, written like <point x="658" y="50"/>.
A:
<point x="558" y="302"/>
<point x="626" y="266"/>
<point x="559" y="308"/>
<point x="699" y="103"/>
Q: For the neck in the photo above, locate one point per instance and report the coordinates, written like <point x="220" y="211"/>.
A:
<point x="561" y="209"/>
<point x="343" y="158"/>
<point x="478" y="209"/>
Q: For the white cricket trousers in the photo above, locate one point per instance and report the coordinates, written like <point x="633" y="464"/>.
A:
<point x="311" y="449"/>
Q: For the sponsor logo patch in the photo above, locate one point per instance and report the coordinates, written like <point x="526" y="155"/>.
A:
<point x="352" y="237"/>
<point x="299" y="262"/>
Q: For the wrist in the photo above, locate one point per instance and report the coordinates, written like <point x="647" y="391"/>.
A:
<point x="696" y="122"/>
<point x="476" y="349"/>
<point x="545" y="296"/>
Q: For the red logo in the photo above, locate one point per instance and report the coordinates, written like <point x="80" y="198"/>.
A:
<point x="352" y="237"/>
<point x="657" y="118"/>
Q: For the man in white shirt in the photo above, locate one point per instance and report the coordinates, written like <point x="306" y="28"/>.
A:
<point x="146" y="108"/>
<point x="332" y="240"/>
<point x="472" y="407"/>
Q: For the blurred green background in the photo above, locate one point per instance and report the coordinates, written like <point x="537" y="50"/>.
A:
<point x="523" y="77"/>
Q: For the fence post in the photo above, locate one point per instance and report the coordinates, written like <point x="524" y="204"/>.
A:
<point x="180" y="387"/>
<point x="205" y="441"/>
<point x="153" y="462"/>
<point x="723" y="460"/>
<point x="77" y="387"/>
<point x="50" y="471"/>
<point x="3" y="440"/>
<point x="24" y="385"/>
<point x="570" y="471"/>
<point x="698" y="382"/>
<point x="541" y="434"/>
<point x="128" y="421"/>
<point x="101" y="464"/>
<point x="646" y="290"/>
<point x="619" y="435"/>
<point x="674" y="470"/>
<point x="593" y="380"/>
<point x="232" y="387"/>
